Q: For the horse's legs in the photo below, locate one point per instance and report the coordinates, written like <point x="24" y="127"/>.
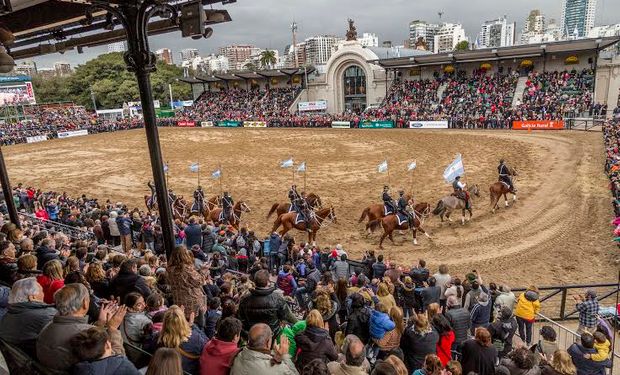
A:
<point x="382" y="238"/>
<point x="463" y="216"/>
<point x="505" y="200"/>
<point x="514" y="197"/>
<point x="415" y="236"/>
<point x="391" y="238"/>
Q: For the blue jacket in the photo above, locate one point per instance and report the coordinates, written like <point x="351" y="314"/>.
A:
<point x="193" y="235"/>
<point x="274" y="243"/>
<point x="587" y="366"/>
<point x="114" y="365"/>
<point x="194" y="346"/>
<point x="380" y="324"/>
<point x="124" y="225"/>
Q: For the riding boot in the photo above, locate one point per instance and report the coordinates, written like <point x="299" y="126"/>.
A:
<point x="308" y="227"/>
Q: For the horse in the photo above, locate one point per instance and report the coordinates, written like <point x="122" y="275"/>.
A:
<point x="314" y="202"/>
<point x="449" y="203"/>
<point x="375" y="212"/>
<point x="180" y="208"/>
<point x="235" y="219"/>
<point x="499" y="188"/>
<point x="150" y="202"/>
<point x="389" y="224"/>
<point x="213" y="202"/>
<point x="320" y="219"/>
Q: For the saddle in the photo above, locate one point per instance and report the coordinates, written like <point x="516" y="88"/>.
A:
<point x="299" y="218"/>
<point x="402" y="218"/>
<point x="387" y="210"/>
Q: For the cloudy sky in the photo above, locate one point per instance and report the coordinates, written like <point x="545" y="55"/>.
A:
<point x="265" y="23"/>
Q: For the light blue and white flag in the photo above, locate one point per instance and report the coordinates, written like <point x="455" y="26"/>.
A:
<point x="454" y="169"/>
<point x="194" y="167"/>
<point x="287" y="163"/>
<point x="383" y="167"/>
<point x="411" y="166"/>
<point x="216" y="174"/>
<point x="165" y="168"/>
<point x="301" y="167"/>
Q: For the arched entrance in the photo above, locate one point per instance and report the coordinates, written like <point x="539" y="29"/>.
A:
<point x="354" y="85"/>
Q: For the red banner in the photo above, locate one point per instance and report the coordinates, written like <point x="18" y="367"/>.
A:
<point x="538" y="125"/>
<point x="186" y="124"/>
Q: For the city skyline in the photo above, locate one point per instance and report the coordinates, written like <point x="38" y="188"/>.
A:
<point x="266" y="23"/>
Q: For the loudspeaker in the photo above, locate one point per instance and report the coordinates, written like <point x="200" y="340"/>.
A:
<point x="193" y="19"/>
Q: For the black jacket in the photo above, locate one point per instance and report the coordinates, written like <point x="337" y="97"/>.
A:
<point x="193" y="235"/>
<point x="460" y="322"/>
<point x="358" y="323"/>
<point x="45" y="254"/>
<point x="406" y="297"/>
<point x="23" y="322"/>
<point x="314" y="343"/>
<point x="477" y="358"/>
<point x="503" y="331"/>
<point x="125" y="283"/>
<point x="264" y="305"/>
<point x="416" y="346"/>
<point x="114" y="365"/>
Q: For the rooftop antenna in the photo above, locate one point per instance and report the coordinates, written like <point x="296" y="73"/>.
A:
<point x="294" y="32"/>
<point x="440" y="13"/>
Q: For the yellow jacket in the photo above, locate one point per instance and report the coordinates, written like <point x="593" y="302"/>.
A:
<point x="526" y="309"/>
<point x="602" y="351"/>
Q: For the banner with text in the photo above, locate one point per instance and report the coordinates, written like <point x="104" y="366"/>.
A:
<point x="538" y="125"/>
<point x="376" y="124"/>
<point x="74" y="133"/>
<point x="186" y="124"/>
<point x="254" y="124"/>
<point x="36" y="138"/>
<point x="318" y="105"/>
<point x="206" y="124"/>
<point x="228" y="124"/>
<point x="341" y="124"/>
<point x="428" y="124"/>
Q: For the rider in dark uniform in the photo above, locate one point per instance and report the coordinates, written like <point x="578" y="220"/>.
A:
<point x="153" y="193"/>
<point x="305" y="210"/>
<point x="505" y="175"/>
<point x="403" y="204"/>
<point x="227" y="205"/>
<point x="387" y="199"/>
<point x="294" y="197"/>
<point x="199" y="198"/>
<point x="459" y="190"/>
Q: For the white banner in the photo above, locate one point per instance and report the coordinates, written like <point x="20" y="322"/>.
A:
<point x="254" y="124"/>
<point x="36" y="138"/>
<point x="74" y="133"/>
<point x="318" y="105"/>
<point x="341" y="124"/>
<point x="428" y="124"/>
<point x="206" y="124"/>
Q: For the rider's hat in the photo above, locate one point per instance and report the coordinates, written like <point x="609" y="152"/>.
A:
<point x="401" y="192"/>
<point x="225" y="193"/>
<point x="457" y="178"/>
<point x="294" y="186"/>
<point x="199" y="187"/>
<point x="501" y="161"/>
<point x="385" y="187"/>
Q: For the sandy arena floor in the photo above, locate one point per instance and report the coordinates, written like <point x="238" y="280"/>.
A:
<point x="557" y="232"/>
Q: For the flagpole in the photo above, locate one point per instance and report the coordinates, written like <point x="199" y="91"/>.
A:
<point x="168" y="174"/>
<point x="220" y="179"/>
<point x="411" y="183"/>
<point x="388" y="172"/>
<point x="305" y="171"/>
<point x="198" y="174"/>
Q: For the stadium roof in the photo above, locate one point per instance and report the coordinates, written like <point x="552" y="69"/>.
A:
<point x="48" y="26"/>
<point x="501" y="53"/>
<point x="259" y="74"/>
<point x="387" y="53"/>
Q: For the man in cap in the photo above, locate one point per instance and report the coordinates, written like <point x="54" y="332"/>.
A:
<point x="459" y="190"/>
<point x="387" y="200"/>
<point x="227" y="205"/>
<point x="505" y="175"/>
<point x="199" y="198"/>
<point x="588" y="311"/>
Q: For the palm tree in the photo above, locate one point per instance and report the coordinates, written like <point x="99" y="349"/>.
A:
<point x="267" y="58"/>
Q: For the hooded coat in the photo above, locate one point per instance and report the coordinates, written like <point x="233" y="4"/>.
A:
<point x="314" y="343"/>
<point x="217" y="356"/>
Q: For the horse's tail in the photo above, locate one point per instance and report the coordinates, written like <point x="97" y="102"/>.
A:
<point x="374" y="224"/>
<point x="273" y="209"/>
<point x="364" y="214"/>
<point x="439" y="207"/>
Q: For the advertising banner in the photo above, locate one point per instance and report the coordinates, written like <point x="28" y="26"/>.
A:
<point x="74" y="133"/>
<point x="428" y="124"/>
<point x="254" y="124"/>
<point x="186" y="124"/>
<point x="538" y="125"/>
<point x="228" y="124"/>
<point x="36" y="138"/>
<point x="376" y="124"/>
<point x="206" y="124"/>
<point x="318" y="105"/>
<point x="341" y="124"/>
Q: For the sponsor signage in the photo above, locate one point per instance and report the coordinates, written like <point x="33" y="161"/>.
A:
<point x="254" y="124"/>
<point x="206" y="124"/>
<point x="318" y="105"/>
<point x="4" y="79"/>
<point x="186" y="124"/>
<point x="36" y="138"/>
<point x="228" y="124"/>
<point x="428" y="124"/>
<point x="74" y="133"/>
<point x="341" y="124"/>
<point x="376" y="124"/>
<point x="538" y="125"/>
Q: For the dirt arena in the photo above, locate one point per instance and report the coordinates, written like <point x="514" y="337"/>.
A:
<point x="557" y="232"/>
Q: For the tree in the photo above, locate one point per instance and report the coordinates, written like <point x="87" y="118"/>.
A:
<point x="250" y="66"/>
<point x="463" y="45"/>
<point x="267" y="59"/>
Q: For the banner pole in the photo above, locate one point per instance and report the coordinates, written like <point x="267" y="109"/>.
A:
<point x="305" y="171"/>
<point x="167" y="175"/>
<point x="221" y="176"/>
<point x="198" y="174"/>
<point x="388" y="172"/>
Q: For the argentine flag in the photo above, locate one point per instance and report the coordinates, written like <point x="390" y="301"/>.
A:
<point x="302" y="167"/>
<point x="287" y="163"/>
<point x="454" y="169"/>
<point x="194" y="167"/>
<point x="411" y="166"/>
<point x="165" y="167"/>
<point x="216" y="174"/>
<point x="383" y="167"/>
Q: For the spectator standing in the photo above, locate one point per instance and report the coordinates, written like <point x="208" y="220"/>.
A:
<point x="123" y="223"/>
<point x="442" y="279"/>
<point x="478" y="354"/>
<point x="378" y="268"/>
<point x="480" y="313"/>
<point x="459" y="320"/>
<point x="128" y="281"/>
<point x="430" y="294"/>
<point x="186" y="284"/>
<point x="193" y="234"/>
<point x="526" y="309"/>
<point x="417" y="341"/>
<point x="340" y="268"/>
<point x="588" y="308"/>
<point x="503" y="330"/>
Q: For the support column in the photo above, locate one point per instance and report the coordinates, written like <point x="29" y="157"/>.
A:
<point x="7" y="191"/>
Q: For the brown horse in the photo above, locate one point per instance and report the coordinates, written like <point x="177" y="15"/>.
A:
<point x="180" y="208"/>
<point x="235" y="217"/>
<point x="321" y="218"/>
<point x="314" y="201"/>
<point x="389" y="224"/>
<point x="375" y="212"/>
<point x="497" y="189"/>
<point x="214" y="202"/>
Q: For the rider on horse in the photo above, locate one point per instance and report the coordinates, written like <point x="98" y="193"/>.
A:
<point x="199" y="198"/>
<point x="403" y="205"/>
<point x="505" y="175"/>
<point x="153" y="193"/>
<point x="387" y="199"/>
<point x="295" y="198"/>
<point x="227" y="205"/>
<point x="459" y="191"/>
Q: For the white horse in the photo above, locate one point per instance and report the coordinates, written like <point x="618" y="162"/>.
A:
<point x="449" y="203"/>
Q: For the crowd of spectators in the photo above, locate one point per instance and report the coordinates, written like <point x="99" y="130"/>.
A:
<point x="230" y="302"/>
<point x="611" y="135"/>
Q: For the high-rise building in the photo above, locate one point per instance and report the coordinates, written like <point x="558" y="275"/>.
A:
<point x="577" y="18"/>
<point x="238" y="54"/>
<point x="320" y="48"/>
<point x="117" y="47"/>
<point x="538" y="29"/>
<point x="218" y="63"/>
<point x="448" y="36"/>
<point x="165" y="55"/>
<point x="189" y="54"/>
<point x="497" y="33"/>
<point x="62" y="68"/>
<point x="290" y="52"/>
<point x="426" y="31"/>
<point x="369" y="40"/>
<point x="26" y="68"/>
<point x="535" y="22"/>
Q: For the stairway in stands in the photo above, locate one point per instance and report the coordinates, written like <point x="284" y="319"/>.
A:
<point x="518" y="95"/>
<point x="440" y="91"/>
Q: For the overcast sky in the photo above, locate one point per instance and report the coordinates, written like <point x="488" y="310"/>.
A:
<point x="266" y="23"/>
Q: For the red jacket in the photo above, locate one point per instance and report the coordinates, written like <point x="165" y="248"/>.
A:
<point x="444" y="346"/>
<point x="217" y="356"/>
<point x="49" y="287"/>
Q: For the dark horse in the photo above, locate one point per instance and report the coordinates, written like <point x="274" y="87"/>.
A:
<point x="321" y="218"/>
<point x="499" y="188"/>
<point x="389" y="224"/>
<point x="314" y="201"/>
<point x="235" y="215"/>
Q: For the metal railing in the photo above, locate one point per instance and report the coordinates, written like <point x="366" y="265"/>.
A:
<point x="72" y="232"/>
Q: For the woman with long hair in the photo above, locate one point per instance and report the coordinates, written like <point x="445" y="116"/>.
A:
<point x="398" y="364"/>
<point x="314" y="342"/>
<point x="560" y="364"/>
<point x="51" y="280"/>
<point x="165" y="361"/>
<point x="385" y="297"/>
<point x="455" y="289"/>
<point x="432" y="366"/>
<point x="98" y="280"/>
<point x="136" y="326"/>
<point x="328" y="309"/>
<point x="186" y="283"/>
<point x="341" y="296"/>
<point x="418" y="340"/>
<point x="71" y="265"/>
<point x="390" y="342"/>
<point x="446" y="337"/>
